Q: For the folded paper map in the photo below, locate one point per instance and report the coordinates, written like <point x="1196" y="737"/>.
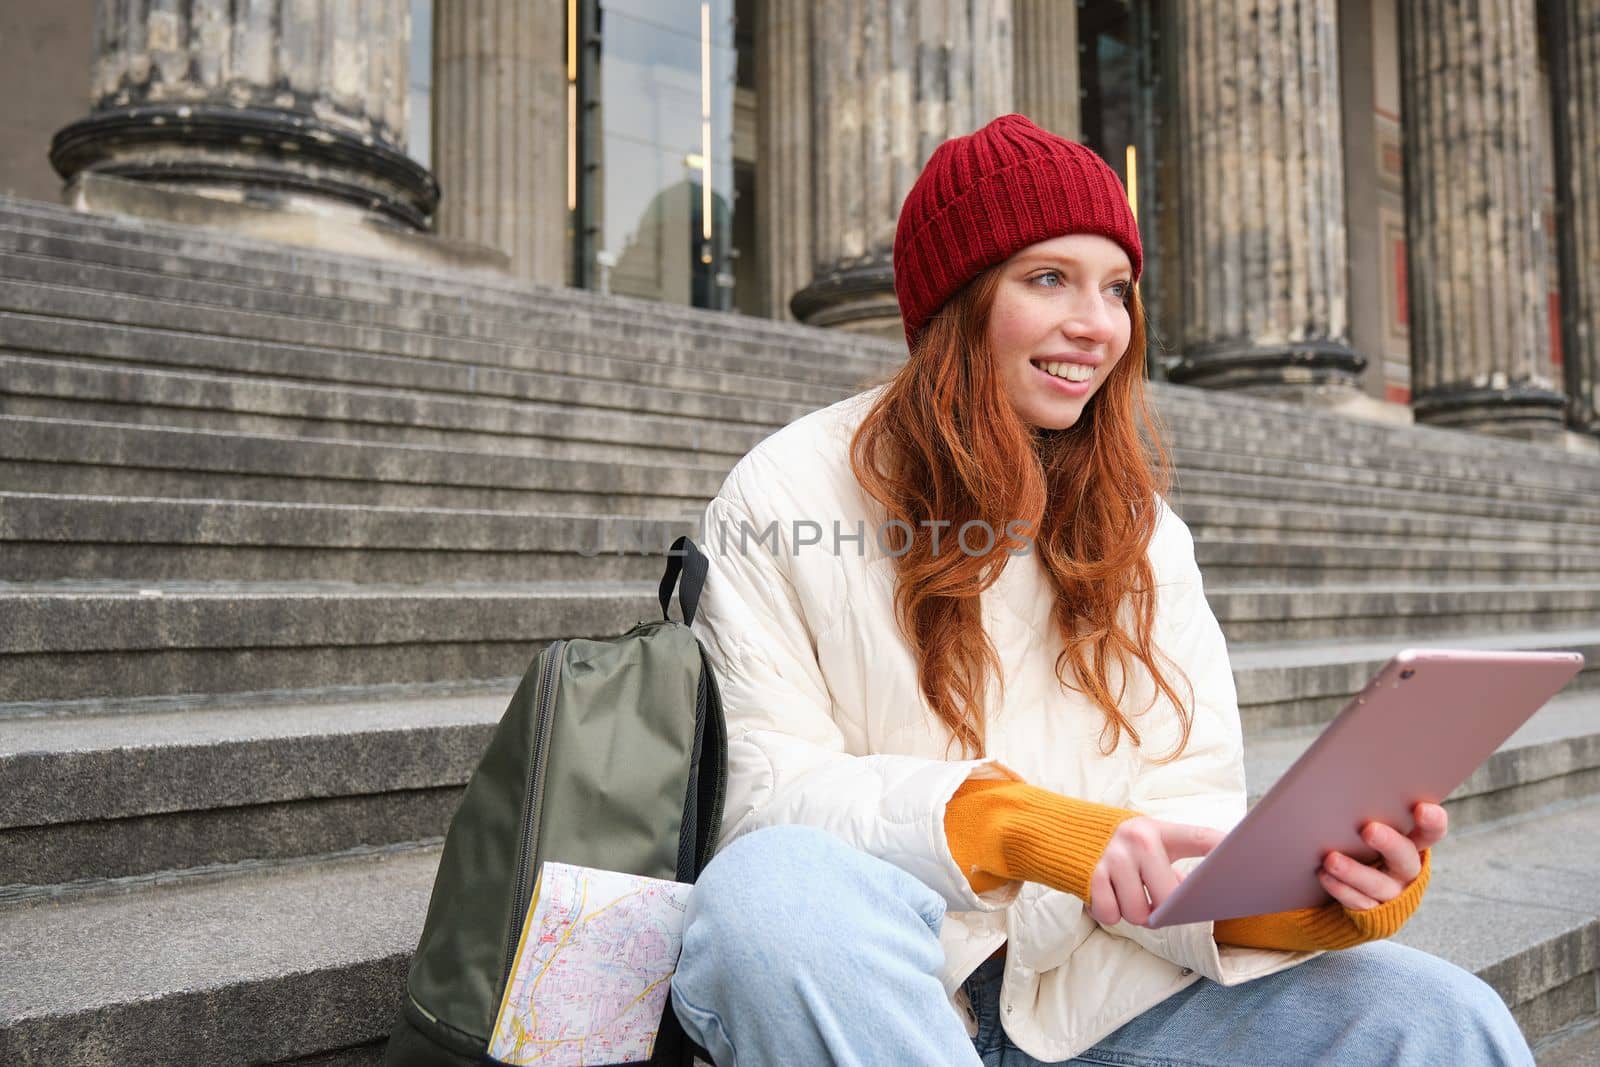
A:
<point x="590" y="980"/>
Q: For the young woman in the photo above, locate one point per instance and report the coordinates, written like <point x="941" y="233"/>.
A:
<point x="980" y="713"/>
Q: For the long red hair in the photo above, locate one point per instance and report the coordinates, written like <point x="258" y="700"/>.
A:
<point x="942" y="442"/>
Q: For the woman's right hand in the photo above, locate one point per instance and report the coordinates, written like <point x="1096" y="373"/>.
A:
<point x="1135" y="872"/>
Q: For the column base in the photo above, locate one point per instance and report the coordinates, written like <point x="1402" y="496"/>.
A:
<point x="1342" y="400"/>
<point x="859" y="299"/>
<point x="1581" y="444"/>
<point x="290" y="224"/>
<point x="257" y="151"/>
<point x="1581" y="418"/>
<point x="1271" y="370"/>
<point x="1525" y="412"/>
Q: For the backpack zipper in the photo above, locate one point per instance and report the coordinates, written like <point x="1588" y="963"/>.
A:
<point x="426" y="1014"/>
<point x="545" y="705"/>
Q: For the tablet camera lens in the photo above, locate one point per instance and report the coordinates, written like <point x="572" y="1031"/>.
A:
<point x="1407" y="673"/>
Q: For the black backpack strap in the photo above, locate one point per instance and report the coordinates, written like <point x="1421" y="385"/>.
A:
<point x="673" y="1047"/>
<point x="684" y="556"/>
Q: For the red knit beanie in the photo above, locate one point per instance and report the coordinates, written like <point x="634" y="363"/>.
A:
<point x="986" y="196"/>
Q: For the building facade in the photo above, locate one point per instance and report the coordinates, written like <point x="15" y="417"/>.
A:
<point x="1396" y="200"/>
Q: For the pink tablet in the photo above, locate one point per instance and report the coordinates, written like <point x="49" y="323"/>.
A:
<point x="1415" y="733"/>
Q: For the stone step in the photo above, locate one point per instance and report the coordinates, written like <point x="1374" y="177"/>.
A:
<point x="1236" y="563"/>
<point x="98" y="458"/>
<point x="67" y="640"/>
<point x="1268" y="430"/>
<point x="1286" y="487"/>
<point x="119" y="459"/>
<point x="1207" y="473"/>
<point x="1270" y="420"/>
<point x="106" y="795"/>
<point x="1210" y="422"/>
<point x="79" y="638"/>
<point x="267" y="966"/>
<point x="1577" y="1045"/>
<point x="544" y="323"/>
<point x="74" y="638"/>
<point x="1582" y="501"/>
<point x="301" y="959"/>
<point x="271" y="332"/>
<point x="1262" y="421"/>
<point x="1471" y="475"/>
<point x="50" y="536"/>
<point x="1553" y="758"/>
<point x="1288" y="684"/>
<point x="1227" y="451"/>
<point x="116" y="791"/>
<point x="189" y="251"/>
<point x="1402" y="612"/>
<point x="1536" y="939"/>
<point x="1264" y="522"/>
<point x="36" y="336"/>
<point x="250" y="404"/>
<point x="89" y="390"/>
<point x="78" y="388"/>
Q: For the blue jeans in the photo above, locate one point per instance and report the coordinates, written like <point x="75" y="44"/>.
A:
<point x="800" y="950"/>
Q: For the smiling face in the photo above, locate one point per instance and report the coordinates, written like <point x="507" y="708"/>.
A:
<point x="1059" y="324"/>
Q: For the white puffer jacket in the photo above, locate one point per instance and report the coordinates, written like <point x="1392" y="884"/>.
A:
<point x="828" y="728"/>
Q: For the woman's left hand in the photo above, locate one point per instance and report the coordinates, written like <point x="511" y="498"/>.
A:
<point x="1360" y="887"/>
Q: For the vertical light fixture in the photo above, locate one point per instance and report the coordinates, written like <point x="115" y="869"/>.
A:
<point x="1131" y="163"/>
<point x="705" y="129"/>
<point x="572" y="105"/>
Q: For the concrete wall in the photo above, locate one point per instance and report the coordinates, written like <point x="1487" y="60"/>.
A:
<point x="45" y="50"/>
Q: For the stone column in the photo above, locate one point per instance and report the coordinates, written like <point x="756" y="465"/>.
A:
<point x="266" y="101"/>
<point x="500" y="129"/>
<point x="1576" y="103"/>
<point x="1046" y="63"/>
<point x="783" y="149"/>
<point x="1480" y="330"/>
<point x="890" y="81"/>
<point x="1262" y="260"/>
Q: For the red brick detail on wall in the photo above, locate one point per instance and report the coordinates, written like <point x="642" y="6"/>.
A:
<point x="1555" y="328"/>
<point x="1402" y="312"/>
<point x="1397" y="394"/>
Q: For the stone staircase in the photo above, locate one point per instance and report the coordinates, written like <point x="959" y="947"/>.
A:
<point x="279" y="527"/>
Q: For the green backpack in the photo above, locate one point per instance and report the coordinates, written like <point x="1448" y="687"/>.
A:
<point x="611" y="754"/>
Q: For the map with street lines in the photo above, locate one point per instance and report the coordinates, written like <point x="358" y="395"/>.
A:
<point x="592" y="968"/>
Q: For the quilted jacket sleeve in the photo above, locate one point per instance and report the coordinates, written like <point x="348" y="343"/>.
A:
<point x="788" y="761"/>
<point x="1205" y="785"/>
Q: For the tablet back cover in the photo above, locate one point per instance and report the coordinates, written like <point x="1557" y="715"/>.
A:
<point x="1415" y="733"/>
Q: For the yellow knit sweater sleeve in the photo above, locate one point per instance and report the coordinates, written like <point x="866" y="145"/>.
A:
<point x="1330" y="926"/>
<point x="1004" y="830"/>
